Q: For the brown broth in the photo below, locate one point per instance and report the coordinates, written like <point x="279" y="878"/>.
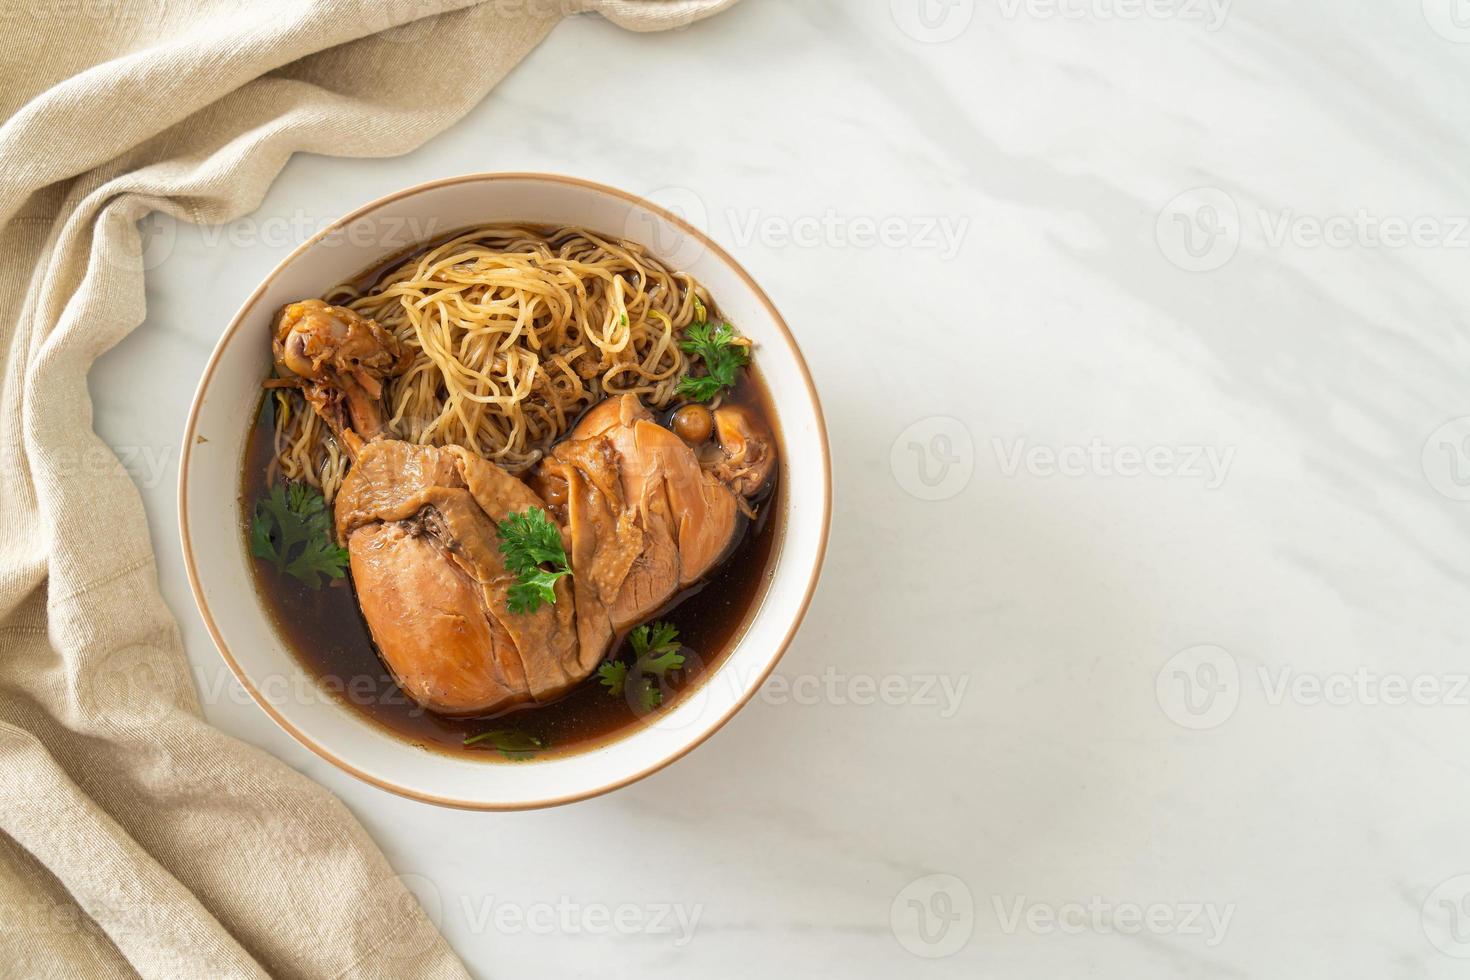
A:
<point x="325" y="630"/>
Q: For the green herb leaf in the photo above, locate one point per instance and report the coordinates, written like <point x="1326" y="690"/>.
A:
<point x="319" y="557"/>
<point x="531" y="541"/>
<point x="514" y="745"/>
<point x="292" y="530"/>
<point x="698" y="389"/>
<point x="261" y="545"/>
<point x="614" y="675"/>
<point x="655" y="653"/>
<point x="661" y="665"/>
<point x="535" y="587"/>
<point x="657" y="648"/>
<point x="723" y="354"/>
<point x="649" y="695"/>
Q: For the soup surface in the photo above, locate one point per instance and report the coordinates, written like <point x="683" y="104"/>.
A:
<point x="325" y="630"/>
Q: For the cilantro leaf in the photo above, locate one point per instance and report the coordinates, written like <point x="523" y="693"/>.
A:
<point x="699" y="389"/>
<point x="530" y="541"/>
<point x="657" y="648"/>
<point x="535" y="587"/>
<point x="319" y="557"/>
<point x="614" y="675"/>
<point x="649" y="695"/>
<point x="723" y="353"/>
<point x="292" y="530"/>
<point x="661" y="665"/>
<point x="655" y="654"/>
<point x="261" y="545"/>
<point x="516" y="746"/>
<point x="530" y="538"/>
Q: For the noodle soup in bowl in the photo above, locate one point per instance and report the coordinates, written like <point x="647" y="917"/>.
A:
<point x="429" y="444"/>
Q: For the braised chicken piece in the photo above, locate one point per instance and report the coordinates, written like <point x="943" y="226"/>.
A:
<point x="668" y="494"/>
<point x="340" y="360"/>
<point x="646" y="519"/>
<point x="743" y="455"/>
<point x="747" y="450"/>
<point x="419" y="525"/>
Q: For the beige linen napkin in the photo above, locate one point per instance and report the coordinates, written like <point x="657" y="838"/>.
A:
<point x="135" y="839"/>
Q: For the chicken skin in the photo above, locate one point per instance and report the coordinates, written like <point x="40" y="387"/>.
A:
<point x="419" y="524"/>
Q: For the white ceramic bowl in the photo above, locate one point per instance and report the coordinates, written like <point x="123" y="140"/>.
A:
<point x="210" y="513"/>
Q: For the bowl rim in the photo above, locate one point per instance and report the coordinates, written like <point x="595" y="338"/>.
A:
<point x="247" y="307"/>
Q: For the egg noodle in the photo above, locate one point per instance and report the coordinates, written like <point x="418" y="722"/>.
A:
<point x="513" y="332"/>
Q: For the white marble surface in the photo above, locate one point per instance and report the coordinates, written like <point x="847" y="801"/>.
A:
<point x="1106" y="717"/>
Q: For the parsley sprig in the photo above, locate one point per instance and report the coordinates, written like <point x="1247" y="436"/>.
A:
<point x="515" y="746"/>
<point x="531" y="544"/>
<point x="723" y="353"/>
<point x="291" y="530"/>
<point x="655" y="654"/>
